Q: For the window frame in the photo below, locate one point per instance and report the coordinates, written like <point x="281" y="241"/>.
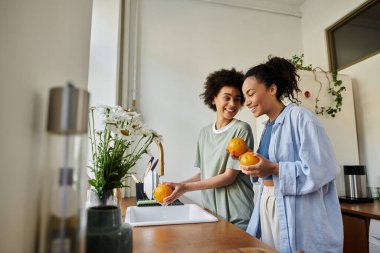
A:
<point x="340" y="23"/>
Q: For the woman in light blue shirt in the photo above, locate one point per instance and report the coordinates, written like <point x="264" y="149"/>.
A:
<point x="305" y="214"/>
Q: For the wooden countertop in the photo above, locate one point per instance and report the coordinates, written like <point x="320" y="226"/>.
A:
<point x="220" y="236"/>
<point x="371" y="210"/>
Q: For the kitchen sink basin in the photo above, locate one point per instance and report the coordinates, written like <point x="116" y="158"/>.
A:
<point x="160" y="215"/>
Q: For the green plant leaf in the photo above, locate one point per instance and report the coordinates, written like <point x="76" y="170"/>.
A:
<point x="92" y="182"/>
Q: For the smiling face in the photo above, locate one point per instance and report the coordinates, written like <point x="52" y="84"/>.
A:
<point x="227" y="103"/>
<point x="259" y="99"/>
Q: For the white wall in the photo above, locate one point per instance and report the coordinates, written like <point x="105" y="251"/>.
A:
<point x="364" y="75"/>
<point x="366" y="95"/>
<point x="43" y="44"/>
<point x="316" y="17"/>
<point x="342" y="126"/>
<point x="180" y="43"/>
<point x="104" y="50"/>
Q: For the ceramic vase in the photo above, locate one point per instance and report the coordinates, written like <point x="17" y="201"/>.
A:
<point x="106" y="232"/>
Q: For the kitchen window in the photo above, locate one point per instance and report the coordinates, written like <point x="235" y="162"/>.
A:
<point x="355" y="37"/>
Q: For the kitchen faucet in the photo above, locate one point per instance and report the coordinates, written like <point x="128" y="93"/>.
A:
<point x="161" y="161"/>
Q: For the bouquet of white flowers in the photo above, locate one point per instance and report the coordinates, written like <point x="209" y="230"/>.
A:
<point x="116" y="148"/>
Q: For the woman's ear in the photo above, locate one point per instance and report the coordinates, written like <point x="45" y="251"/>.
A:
<point x="273" y="89"/>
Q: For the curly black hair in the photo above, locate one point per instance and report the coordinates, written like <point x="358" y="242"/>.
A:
<point x="280" y="72"/>
<point x="219" y="79"/>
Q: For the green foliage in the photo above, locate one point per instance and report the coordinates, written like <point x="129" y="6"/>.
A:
<point x="335" y="87"/>
<point x="297" y="61"/>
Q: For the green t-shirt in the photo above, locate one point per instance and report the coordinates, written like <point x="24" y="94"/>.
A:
<point x="233" y="202"/>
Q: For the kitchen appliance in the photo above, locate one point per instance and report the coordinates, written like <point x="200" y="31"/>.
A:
<point x="355" y="182"/>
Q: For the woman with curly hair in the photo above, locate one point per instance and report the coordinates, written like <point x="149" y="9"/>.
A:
<point x="226" y="191"/>
<point x="297" y="205"/>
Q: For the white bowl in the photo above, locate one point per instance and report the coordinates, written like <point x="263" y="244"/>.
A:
<point x="160" y="215"/>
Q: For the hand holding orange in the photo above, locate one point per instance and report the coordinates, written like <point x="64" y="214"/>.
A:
<point x="161" y="192"/>
<point x="237" y="147"/>
<point x="248" y="159"/>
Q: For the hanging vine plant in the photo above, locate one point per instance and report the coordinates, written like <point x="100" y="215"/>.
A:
<point x="335" y="87"/>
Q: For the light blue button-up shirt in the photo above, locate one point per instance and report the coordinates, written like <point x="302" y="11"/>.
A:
<point x="306" y="199"/>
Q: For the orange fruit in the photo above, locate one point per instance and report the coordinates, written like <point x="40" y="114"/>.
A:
<point x="237" y="147"/>
<point x="247" y="159"/>
<point x="161" y="192"/>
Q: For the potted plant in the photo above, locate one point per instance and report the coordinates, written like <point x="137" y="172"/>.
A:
<point x="116" y="147"/>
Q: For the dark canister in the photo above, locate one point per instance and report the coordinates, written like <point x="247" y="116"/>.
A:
<point x="106" y="232"/>
<point x="355" y="181"/>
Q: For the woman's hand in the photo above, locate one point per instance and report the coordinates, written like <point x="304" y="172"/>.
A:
<point x="178" y="190"/>
<point x="261" y="169"/>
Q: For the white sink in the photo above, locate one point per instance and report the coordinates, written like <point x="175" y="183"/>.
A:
<point x="159" y="215"/>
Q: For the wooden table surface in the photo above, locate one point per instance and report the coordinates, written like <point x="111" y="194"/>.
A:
<point x="220" y="236"/>
<point x="371" y="210"/>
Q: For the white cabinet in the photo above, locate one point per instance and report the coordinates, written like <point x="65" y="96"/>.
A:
<point x="374" y="236"/>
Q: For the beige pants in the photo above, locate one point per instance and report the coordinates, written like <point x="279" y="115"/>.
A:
<point x="270" y="233"/>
